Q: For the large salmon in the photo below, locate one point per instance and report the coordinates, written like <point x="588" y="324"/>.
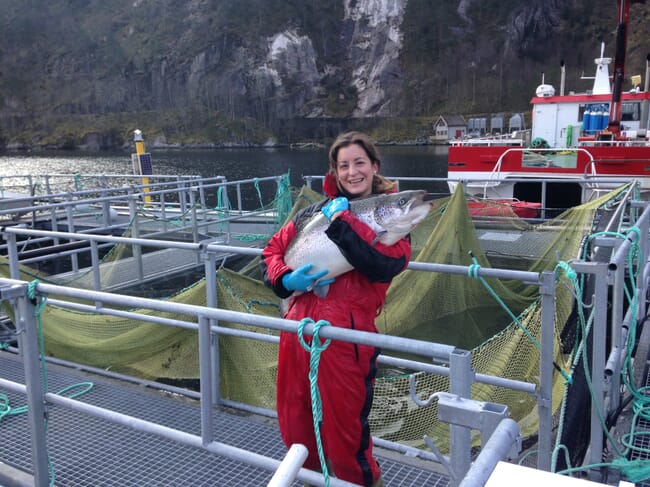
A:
<point x="391" y="216"/>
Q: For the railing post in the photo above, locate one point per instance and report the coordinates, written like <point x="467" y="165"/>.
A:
<point x="239" y="205"/>
<point x="14" y="271"/>
<point x="74" y="260"/>
<point x="94" y="258"/>
<point x="181" y="198"/>
<point x="546" y="357"/>
<point x="205" y="377"/>
<point x="54" y="222"/>
<point x="210" y="264"/>
<point x="460" y="383"/>
<point x="163" y="211"/>
<point x="135" y="232"/>
<point x="598" y="360"/>
<point x="106" y="209"/>
<point x="195" y="223"/>
<point x="27" y="328"/>
<point x="202" y="194"/>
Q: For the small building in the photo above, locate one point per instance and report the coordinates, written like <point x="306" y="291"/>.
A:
<point x="448" y="127"/>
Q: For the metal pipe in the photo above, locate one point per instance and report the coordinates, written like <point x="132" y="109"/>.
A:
<point x="430" y="350"/>
<point x="205" y="375"/>
<point x="504" y="438"/>
<point x="289" y="467"/>
<point x="546" y="356"/>
<point x="460" y="384"/>
<point x="26" y="325"/>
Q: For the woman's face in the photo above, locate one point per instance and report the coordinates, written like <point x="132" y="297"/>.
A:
<point x="354" y="170"/>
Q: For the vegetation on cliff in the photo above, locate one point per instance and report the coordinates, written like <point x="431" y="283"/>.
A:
<point x="86" y="72"/>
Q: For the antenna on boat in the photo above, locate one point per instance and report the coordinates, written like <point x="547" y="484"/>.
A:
<point x="562" y="77"/>
<point x="544" y="90"/>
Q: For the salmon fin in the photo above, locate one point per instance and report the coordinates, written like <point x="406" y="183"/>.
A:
<point x="321" y="291"/>
<point x="378" y="237"/>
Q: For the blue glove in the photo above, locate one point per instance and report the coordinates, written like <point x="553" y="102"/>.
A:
<point x="334" y="206"/>
<point x="300" y="280"/>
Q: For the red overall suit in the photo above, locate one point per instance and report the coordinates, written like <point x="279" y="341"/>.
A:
<point x="347" y="371"/>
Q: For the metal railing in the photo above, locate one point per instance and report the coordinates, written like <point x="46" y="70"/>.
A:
<point x="443" y="359"/>
<point x="455" y="363"/>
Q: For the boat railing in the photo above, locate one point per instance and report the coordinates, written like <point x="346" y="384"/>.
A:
<point x="498" y="140"/>
<point x="495" y="176"/>
<point x="640" y="142"/>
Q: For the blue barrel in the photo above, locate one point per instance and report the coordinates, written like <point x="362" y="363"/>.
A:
<point x="605" y="116"/>
<point x="596" y="118"/>
<point x="586" y="119"/>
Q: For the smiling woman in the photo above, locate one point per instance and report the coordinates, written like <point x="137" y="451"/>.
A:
<point x="349" y="299"/>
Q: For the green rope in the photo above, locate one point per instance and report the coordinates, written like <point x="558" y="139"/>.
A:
<point x="78" y="186"/>
<point x="315" y="350"/>
<point x="222" y="202"/>
<point x="472" y="272"/>
<point x="633" y="470"/>
<point x="37" y="186"/>
<point x="248" y="306"/>
<point x="256" y="183"/>
<point x="283" y="200"/>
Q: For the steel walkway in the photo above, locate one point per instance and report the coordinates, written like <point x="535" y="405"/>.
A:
<point x="86" y="451"/>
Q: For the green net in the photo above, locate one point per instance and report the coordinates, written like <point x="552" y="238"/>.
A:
<point x="437" y="307"/>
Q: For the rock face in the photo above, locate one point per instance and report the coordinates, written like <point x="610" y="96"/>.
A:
<point x="289" y="72"/>
<point x="269" y="60"/>
<point x="375" y="45"/>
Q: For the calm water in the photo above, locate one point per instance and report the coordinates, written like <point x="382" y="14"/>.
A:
<point x="234" y="164"/>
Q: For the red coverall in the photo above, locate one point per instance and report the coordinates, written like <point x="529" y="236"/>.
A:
<point x="347" y="371"/>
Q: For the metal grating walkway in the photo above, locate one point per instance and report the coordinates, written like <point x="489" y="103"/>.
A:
<point x="86" y="451"/>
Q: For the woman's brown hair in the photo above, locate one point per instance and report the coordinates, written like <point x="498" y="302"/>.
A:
<point x="379" y="183"/>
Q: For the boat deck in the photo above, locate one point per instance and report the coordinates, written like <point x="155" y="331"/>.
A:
<point x="86" y="451"/>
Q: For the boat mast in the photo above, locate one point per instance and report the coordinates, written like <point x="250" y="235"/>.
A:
<point x="614" y="125"/>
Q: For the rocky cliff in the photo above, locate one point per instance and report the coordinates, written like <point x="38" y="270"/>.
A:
<point x="223" y="71"/>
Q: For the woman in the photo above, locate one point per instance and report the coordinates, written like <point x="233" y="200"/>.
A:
<point x="346" y="373"/>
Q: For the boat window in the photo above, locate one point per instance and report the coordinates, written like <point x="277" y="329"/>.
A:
<point x="550" y="159"/>
<point x="630" y="111"/>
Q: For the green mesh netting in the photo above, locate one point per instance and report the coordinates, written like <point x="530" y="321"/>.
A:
<point x="452" y="309"/>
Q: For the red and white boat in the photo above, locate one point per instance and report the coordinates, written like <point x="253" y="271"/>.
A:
<point x="580" y="144"/>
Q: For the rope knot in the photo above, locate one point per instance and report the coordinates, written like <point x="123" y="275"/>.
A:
<point x="38" y="301"/>
<point x="472" y="271"/>
<point x="316" y="344"/>
<point x="568" y="271"/>
<point x="634" y="229"/>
